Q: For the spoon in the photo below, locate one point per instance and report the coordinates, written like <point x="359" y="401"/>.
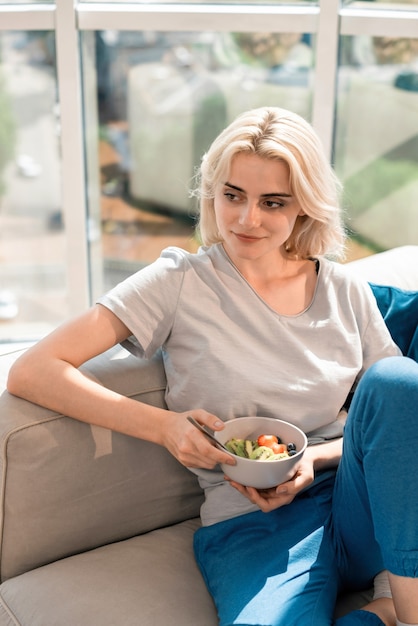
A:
<point x="208" y="434"/>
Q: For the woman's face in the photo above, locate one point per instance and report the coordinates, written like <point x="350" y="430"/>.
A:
<point x="254" y="209"/>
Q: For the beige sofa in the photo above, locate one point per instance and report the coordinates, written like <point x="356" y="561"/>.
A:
<point x="96" y="527"/>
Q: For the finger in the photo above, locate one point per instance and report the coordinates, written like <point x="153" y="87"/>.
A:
<point x="293" y="486"/>
<point x="208" y="419"/>
<point x="251" y="493"/>
<point x="206" y="446"/>
<point x="204" y="456"/>
<point x="237" y="486"/>
<point x="209" y="449"/>
<point x="266" y="500"/>
<point x="205" y="451"/>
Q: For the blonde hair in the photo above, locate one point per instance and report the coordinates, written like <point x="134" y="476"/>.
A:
<point x="274" y="133"/>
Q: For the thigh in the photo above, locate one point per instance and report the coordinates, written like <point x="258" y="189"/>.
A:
<point x="274" y="569"/>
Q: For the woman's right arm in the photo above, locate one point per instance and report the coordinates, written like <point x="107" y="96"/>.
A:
<point x="47" y="374"/>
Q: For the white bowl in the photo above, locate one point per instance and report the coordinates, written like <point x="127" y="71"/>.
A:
<point x="262" y="474"/>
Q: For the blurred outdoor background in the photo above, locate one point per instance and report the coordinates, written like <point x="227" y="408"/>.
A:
<point x="151" y="101"/>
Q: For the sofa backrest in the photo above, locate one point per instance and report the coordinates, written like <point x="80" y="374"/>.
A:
<point x="68" y="487"/>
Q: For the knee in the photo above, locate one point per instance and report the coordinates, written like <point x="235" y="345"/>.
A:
<point x="392" y="373"/>
<point x="389" y="384"/>
<point x="383" y="414"/>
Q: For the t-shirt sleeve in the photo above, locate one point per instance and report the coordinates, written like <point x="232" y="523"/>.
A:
<point x="146" y="302"/>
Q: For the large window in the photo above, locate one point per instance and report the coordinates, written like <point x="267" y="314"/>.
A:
<point x="376" y="139"/>
<point x="33" y="294"/>
<point x="162" y="99"/>
<point x="107" y="107"/>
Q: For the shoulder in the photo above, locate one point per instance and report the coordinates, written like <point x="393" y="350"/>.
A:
<point x="178" y="257"/>
<point x="340" y="275"/>
<point x="172" y="260"/>
<point x="207" y="262"/>
<point x="338" y="279"/>
<point x="173" y="257"/>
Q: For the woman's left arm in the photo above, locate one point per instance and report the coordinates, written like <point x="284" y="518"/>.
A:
<point x="318" y="457"/>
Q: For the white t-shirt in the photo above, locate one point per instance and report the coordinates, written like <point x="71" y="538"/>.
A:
<point x="225" y="350"/>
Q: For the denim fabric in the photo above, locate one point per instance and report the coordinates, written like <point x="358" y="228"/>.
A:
<point x="275" y="568"/>
<point x="375" y="507"/>
<point x="286" y="567"/>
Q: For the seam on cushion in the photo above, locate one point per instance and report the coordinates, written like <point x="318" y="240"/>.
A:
<point x="144" y="391"/>
<point x="9" y="611"/>
<point x="162" y="389"/>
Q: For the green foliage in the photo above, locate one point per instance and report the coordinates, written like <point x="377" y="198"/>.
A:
<point x="377" y="181"/>
<point x="7" y="132"/>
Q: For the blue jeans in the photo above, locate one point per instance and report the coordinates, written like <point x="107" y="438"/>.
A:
<point x="285" y="568"/>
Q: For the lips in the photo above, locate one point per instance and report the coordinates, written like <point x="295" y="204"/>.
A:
<point x="247" y="238"/>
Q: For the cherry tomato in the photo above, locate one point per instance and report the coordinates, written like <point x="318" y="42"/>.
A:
<point x="279" y="448"/>
<point x="267" y="440"/>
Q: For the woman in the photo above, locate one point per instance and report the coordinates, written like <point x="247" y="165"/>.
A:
<point x="259" y="321"/>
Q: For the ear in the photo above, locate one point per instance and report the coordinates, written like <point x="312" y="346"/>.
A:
<point x="301" y="213"/>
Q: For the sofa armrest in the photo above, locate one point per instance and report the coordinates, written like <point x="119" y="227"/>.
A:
<point x="67" y="487"/>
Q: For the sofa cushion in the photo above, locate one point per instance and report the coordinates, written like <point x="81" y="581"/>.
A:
<point x="400" y="312"/>
<point x="151" y="579"/>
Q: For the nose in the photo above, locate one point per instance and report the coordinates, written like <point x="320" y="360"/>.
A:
<point x="250" y="216"/>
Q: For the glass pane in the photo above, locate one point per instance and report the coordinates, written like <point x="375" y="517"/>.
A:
<point x="376" y="148"/>
<point x="32" y="240"/>
<point x="162" y="99"/>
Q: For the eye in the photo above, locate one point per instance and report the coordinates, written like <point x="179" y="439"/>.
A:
<point x="230" y="195"/>
<point x="274" y="204"/>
